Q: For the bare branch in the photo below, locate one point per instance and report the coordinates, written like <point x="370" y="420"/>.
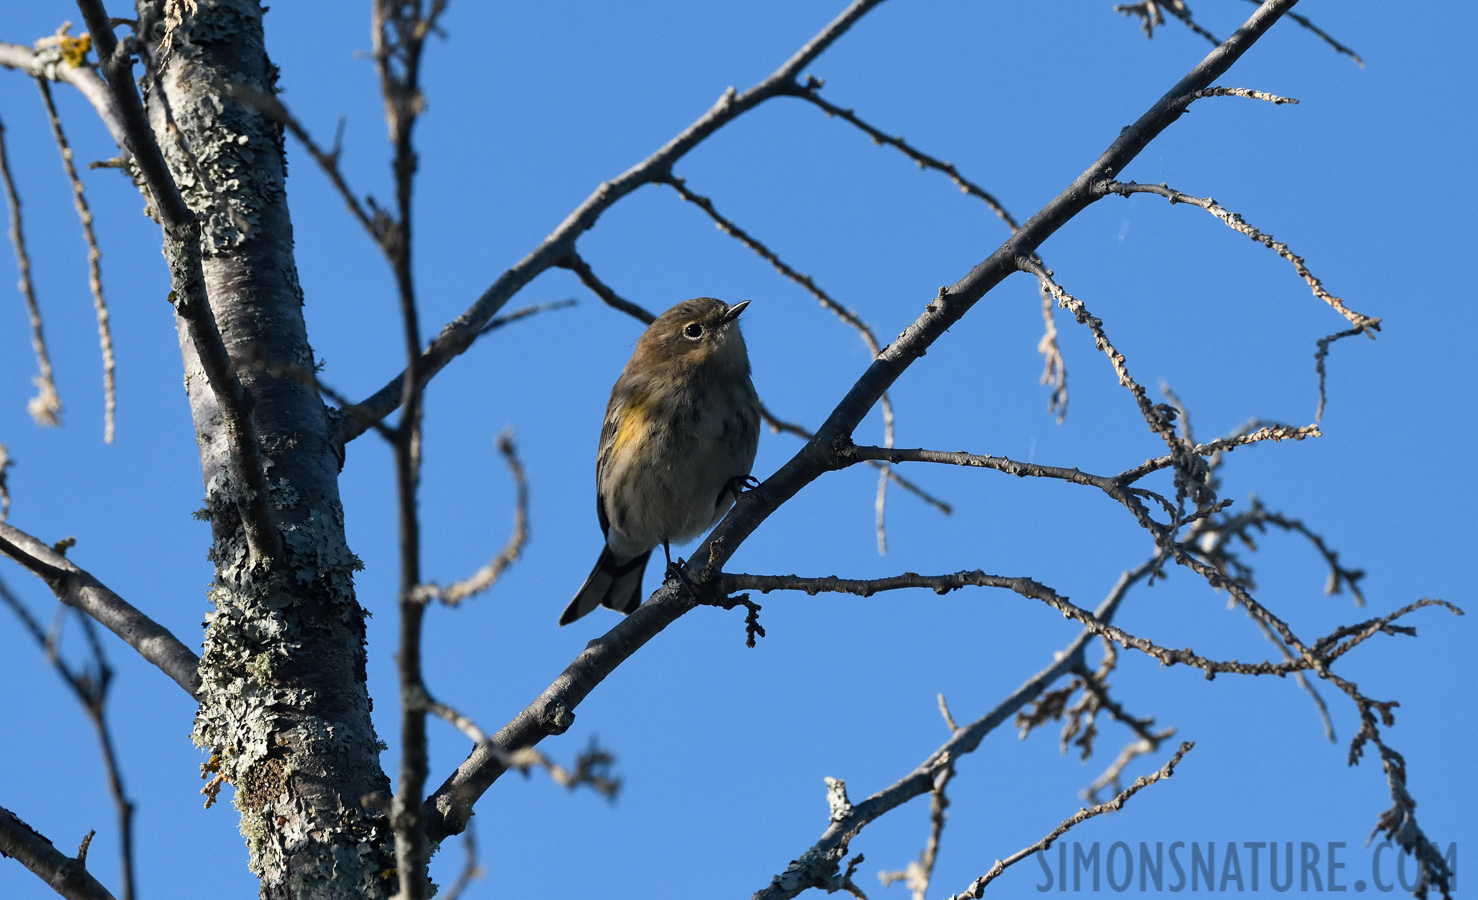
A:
<point x="577" y="264"/>
<point x="64" y="58"/>
<point x="810" y="91"/>
<point x="728" y="227"/>
<point x="1319" y="357"/>
<point x="1158" y="421"/>
<point x="1151" y="13"/>
<point x="523" y="312"/>
<point x="272" y="108"/>
<point x="489" y="574"/>
<point x="82" y="592"/>
<point x="1300" y="678"/>
<point x="1336" y="45"/>
<point x="400" y="30"/>
<point x="1220" y="445"/>
<point x="458" y="335"/>
<point x="1215" y="539"/>
<point x="65" y="875"/>
<point x="1115" y="487"/>
<point x="919" y="872"/>
<point x="1054" y="368"/>
<point x="1095" y="699"/>
<point x="977" y="887"/>
<point x="94" y="264"/>
<point x="592" y="767"/>
<point x="1274" y="99"/>
<point x="1363" y="323"/>
<point x="1316" y="658"/>
<point x="46" y="406"/>
<point x="471" y="869"/>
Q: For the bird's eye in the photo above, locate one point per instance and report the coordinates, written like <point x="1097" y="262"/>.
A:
<point x="693" y="331"/>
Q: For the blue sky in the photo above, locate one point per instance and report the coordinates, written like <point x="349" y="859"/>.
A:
<point x="722" y="748"/>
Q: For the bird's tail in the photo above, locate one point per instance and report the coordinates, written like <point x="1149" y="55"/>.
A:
<point x="612" y="584"/>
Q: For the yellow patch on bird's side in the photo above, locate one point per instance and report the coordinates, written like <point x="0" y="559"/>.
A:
<point x="633" y="418"/>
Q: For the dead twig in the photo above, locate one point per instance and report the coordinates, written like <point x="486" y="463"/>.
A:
<point x="46" y="406"/>
<point x="94" y="262"/>
<point x="977" y="887"/>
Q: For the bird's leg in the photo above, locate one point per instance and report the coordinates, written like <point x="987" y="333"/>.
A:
<point x="673" y="570"/>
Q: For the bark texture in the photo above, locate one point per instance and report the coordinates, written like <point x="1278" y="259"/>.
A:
<point x="284" y="708"/>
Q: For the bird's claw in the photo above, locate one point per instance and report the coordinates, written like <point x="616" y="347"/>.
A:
<point x="675" y="570"/>
<point x="741" y="483"/>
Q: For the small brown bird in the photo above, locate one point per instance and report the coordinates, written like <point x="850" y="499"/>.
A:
<point x="678" y="443"/>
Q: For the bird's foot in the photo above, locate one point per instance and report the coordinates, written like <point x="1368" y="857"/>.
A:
<point x="741" y="483"/>
<point x="675" y="570"/>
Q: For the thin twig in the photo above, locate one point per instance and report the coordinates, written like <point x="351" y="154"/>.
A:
<point x="489" y="574"/>
<point x="1246" y="93"/>
<point x="400" y="30"/>
<point x="1157" y="420"/>
<point x="780" y="426"/>
<point x="1315" y="657"/>
<point x="577" y="264"/>
<point x="919" y="872"/>
<point x="1220" y="445"/>
<point x="810" y="92"/>
<point x="1300" y="678"/>
<point x="1319" y="357"/>
<point x="1366" y="324"/>
<point x="1055" y="372"/>
<point x="1054" y="367"/>
<point x="523" y="312"/>
<point x="46" y="406"/>
<point x="977" y="887"/>
<point x="94" y="262"/>
<point x="728" y="226"/>
<point x="471" y="869"/>
<point x="841" y="311"/>
<point x="1115" y="487"/>
<point x="949" y="720"/>
<point x="1152" y="13"/>
<point x="1191" y="473"/>
<point x="272" y="108"/>
<point x="1324" y="36"/>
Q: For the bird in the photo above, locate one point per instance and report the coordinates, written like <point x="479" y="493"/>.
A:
<point x="679" y="440"/>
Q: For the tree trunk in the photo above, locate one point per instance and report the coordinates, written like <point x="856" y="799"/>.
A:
<point x="285" y="710"/>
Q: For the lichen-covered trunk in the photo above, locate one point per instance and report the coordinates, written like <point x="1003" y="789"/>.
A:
<point x="284" y="710"/>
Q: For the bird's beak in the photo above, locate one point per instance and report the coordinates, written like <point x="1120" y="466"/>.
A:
<point x="734" y="311"/>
